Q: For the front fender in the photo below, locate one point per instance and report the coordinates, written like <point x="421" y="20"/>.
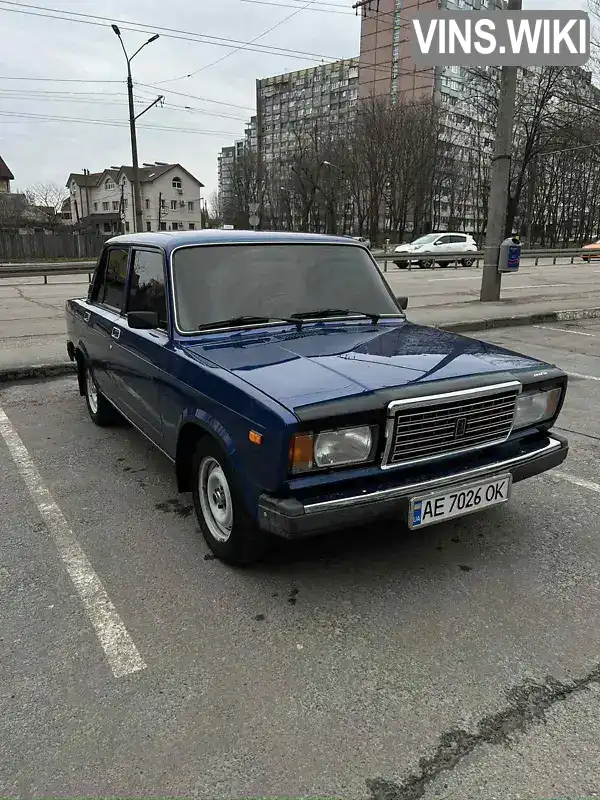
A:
<point x="209" y="424"/>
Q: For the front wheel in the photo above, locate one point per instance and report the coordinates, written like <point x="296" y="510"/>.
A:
<point x="401" y="264"/>
<point x="426" y="263"/>
<point x="227" y="527"/>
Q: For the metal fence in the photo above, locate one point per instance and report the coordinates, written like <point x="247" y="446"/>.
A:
<point x="455" y="259"/>
<point x="44" y="270"/>
<point x="40" y="245"/>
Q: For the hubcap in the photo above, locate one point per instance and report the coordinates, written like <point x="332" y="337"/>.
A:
<point x="215" y="499"/>
<point x="92" y="392"/>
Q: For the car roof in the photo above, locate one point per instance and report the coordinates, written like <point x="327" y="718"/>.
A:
<point x="170" y="240"/>
<point x="452" y="233"/>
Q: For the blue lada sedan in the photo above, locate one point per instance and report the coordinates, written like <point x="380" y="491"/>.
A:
<point x="280" y="375"/>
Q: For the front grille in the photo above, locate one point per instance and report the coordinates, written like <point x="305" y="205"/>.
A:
<point x="425" y="430"/>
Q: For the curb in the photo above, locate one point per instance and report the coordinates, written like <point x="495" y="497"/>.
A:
<point x="37" y="371"/>
<point x="58" y="369"/>
<point x="523" y="319"/>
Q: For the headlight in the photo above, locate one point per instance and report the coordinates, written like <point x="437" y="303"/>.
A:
<point x="536" y="406"/>
<point x="331" y="448"/>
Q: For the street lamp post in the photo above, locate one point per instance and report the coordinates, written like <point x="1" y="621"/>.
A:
<point x="137" y="195"/>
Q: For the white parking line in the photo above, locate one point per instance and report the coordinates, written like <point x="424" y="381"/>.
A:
<point x="584" y="377"/>
<point x="563" y="330"/>
<point x="593" y="487"/>
<point x="120" y="650"/>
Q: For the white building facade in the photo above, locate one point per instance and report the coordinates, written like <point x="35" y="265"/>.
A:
<point x="104" y="201"/>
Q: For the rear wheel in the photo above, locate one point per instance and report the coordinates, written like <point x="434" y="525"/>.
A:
<point x="467" y="262"/>
<point x="226" y="525"/>
<point x="100" y="410"/>
<point x="426" y="263"/>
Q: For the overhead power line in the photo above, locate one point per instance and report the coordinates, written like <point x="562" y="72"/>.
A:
<point x="173" y="33"/>
<point x="55" y="80"/>
<point x="196" y="97"/>
<point x="147" y="85"/>
<point x="142" y="27"/>
<point x="241" y="47"/>
<point x="25" y="96"/>
<point x="322" y="10"/>
<point x="115" y="124"/>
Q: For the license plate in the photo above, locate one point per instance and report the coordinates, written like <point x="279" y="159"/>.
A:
<point x="458" y="501"/>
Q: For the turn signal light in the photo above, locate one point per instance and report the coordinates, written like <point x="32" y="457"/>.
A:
<point x="301" y="452"/>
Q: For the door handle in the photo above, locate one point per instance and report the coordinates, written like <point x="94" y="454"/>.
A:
<point x="115" y="333"/>
<point x="86" y="316"/>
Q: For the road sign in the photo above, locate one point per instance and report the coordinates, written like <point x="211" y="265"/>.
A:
<point x="254" y="220"/>
<point x="253" y="207"/>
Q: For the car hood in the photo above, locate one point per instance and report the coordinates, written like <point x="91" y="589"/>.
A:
<point x="330" y="361"/>
<point x="409" y="248"/>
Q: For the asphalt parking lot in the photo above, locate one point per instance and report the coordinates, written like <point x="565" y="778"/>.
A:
<point x="461" y="661"/>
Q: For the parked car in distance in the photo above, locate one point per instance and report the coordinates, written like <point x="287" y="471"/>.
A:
<point x="428" y="250"/>
<point x="281" y="377"/>
<point x="591" y="251"/>
<point x="363" y="240"/>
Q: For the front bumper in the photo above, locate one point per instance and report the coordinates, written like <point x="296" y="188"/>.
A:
<point x="292" y="518"/>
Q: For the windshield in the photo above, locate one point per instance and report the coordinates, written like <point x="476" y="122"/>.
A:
<point x="431" y="237"/>
<point x="274" y="280"/>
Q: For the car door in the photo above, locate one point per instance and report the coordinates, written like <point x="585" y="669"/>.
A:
<point x="459" y="243"/>
<point x="106" y="303"/>
<point x="140" y="355"/>
<point x="441" y="246"/>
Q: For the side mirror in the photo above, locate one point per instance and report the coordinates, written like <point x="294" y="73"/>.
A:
<point x="142" y="320"/>
<point x="402" y="303"/>
<point x="439" y="241"/>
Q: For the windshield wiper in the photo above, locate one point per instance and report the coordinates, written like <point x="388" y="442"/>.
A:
<point x="321" y="313"/>
<point x="233" y="322"/>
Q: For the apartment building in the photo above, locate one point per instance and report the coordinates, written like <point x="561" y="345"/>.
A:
<point x="225" y="172"/>
<point x="387" y="65"/>
<point x="323" y="97"/>
<point x="104" y="201"/>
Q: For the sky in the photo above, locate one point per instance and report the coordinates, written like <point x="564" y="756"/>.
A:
<point x="84" y="71"/>
<point x="40" y="150"/>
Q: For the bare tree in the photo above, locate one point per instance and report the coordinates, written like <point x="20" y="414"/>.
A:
<point x="47" y="200"/>
<point x="214" y="210"/>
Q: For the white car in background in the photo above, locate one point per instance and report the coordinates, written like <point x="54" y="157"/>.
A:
<point x="363" y="240"/>
<point x="429" y="249"/>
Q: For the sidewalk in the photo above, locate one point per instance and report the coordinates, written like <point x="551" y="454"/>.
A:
<point x="32" y="326"/>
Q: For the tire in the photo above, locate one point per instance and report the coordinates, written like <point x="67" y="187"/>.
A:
<point x="101" y="412"/>
<point x="427" y="263"/>
<point x="401" y="264"/>
<point x="467" y="262"/>
<point x="226" y="525"/>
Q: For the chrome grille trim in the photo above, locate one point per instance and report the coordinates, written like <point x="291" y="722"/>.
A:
<point x="421" y="429"/>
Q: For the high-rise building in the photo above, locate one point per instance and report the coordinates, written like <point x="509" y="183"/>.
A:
<point x="387" y="65"/>
<point x="322" y="98"/>
<point x="225" y="166"/>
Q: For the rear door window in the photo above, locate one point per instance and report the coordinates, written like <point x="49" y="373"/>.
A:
<point x="147" y="285"/>
<point x="110" y="286"/>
